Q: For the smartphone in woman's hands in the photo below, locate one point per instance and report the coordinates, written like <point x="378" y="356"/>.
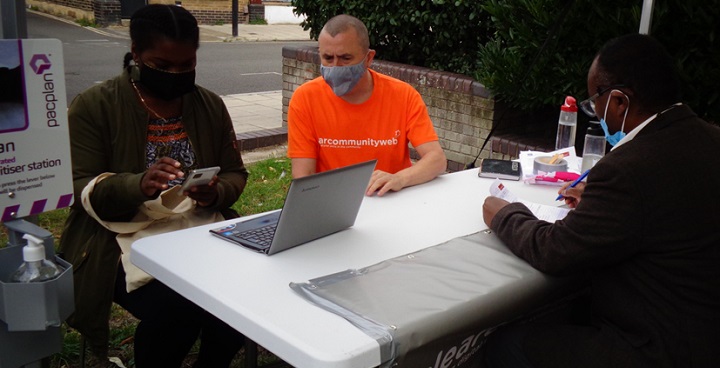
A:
<point x="199" y="177"/>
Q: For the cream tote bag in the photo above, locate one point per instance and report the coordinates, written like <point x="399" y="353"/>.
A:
<point x="168" y="212"/>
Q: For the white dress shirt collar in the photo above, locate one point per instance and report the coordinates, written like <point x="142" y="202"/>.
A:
<point x="640" y="127"/>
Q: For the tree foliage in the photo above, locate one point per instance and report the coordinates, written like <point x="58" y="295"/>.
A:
<point x="525" y="75"/>
<point x="439" y="34"/>
<point x="498" y="42"/>
<point x="690" y="29"/>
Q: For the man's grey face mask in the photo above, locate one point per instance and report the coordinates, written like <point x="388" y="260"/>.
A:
<point x="342" y="79"/>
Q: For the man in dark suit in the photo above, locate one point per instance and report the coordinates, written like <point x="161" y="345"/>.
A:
<point x="645" y="230"/>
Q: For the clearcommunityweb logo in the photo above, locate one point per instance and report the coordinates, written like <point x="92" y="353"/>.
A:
<point x="357" y="143"/>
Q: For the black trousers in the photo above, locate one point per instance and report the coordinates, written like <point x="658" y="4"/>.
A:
<point x="170" y="325"/>
<point x="564" y="338"/>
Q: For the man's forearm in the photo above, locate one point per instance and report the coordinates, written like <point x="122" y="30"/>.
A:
<point x="302" y="167"/>
<point x="427" y="168"/>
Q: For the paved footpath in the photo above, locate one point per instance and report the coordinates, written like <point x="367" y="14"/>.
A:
<point x="255" y="111"/>
<point x="257" y="119"/>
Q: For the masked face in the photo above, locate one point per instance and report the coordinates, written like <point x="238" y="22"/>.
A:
<point x="613" y="139"/>
<point x="166" y="85"/>
<point x="342" y="79"/>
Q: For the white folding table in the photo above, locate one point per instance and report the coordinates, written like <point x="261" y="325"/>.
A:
<point x="250" y="291"/>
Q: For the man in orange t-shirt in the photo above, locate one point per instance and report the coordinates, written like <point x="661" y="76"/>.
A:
<point x="353" y="114"/>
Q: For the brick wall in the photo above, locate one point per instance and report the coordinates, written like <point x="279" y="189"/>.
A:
<point x="205" y="11"/>
<point x="107" y="12"/>
<point x="210" y="11"/>
<point x="214" y="11"/>
<point x="256" y="12"/>
<point x="461" y="108"/>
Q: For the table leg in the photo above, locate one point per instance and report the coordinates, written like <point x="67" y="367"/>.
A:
<point x="250" y="353"/>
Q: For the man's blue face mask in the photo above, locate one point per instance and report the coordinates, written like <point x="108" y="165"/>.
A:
<point x="342" y="79"/>
<point x="613" y="139"/>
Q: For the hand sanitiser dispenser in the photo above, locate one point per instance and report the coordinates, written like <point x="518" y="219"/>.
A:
<point x="35" y="268"/>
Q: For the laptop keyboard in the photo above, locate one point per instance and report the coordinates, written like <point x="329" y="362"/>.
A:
<point x="262" y="236"/>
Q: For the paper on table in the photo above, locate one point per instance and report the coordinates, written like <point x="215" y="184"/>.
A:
<point x="541" y="211"/>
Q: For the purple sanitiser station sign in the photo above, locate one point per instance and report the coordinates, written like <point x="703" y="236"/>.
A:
<point x="35" y="168"/>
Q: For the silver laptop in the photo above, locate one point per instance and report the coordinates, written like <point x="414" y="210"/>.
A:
<point x="315" y="206"/>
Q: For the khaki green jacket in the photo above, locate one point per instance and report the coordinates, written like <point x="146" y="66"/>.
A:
<point x="108" y="130"/>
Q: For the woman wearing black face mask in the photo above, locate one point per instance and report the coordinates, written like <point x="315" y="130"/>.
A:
<point x="147" y="127"/>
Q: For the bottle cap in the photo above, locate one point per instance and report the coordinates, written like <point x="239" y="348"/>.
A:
<point x="594" y="128"/>
<point x="34" y="250"/>
<point x="570" y="104"/>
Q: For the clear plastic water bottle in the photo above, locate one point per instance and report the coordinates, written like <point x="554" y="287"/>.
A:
<point x="594" y="148"/>
<point x="35" y="267"/>
<point x="567" y="124"/>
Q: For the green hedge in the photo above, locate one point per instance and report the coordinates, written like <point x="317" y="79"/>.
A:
<point x="523" y="26"/>
<point x="495" y="41"/>
<point x="690" y="30"/>
<point x="440" y="34"/>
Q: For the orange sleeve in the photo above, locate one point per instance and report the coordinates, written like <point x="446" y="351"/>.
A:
<point x="301" y="136"/>
<point x="420" y="129"/>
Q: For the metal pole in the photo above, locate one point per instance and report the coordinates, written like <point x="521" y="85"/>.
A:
<point x="646" y="17"/>
<point x="12" y="15"/>
<point x="234" y="18"/>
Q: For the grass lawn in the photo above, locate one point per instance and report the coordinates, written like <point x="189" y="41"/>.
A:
<point x="265" y="191"/>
